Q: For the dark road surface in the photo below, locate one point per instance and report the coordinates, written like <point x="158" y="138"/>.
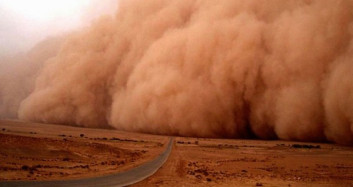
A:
<point x="120" y="179"/>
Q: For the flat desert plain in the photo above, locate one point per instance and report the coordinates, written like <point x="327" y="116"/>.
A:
<point x="217" y="162"/>
<point x="31" y="151"/>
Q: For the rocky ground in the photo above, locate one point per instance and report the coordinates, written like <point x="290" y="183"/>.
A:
<point x="212" y="162"/>
<point x="45" y="152"/>
<point x="49" y="152"/>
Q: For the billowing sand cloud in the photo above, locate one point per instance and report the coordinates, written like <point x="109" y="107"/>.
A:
<point x="18" y="74"/>
<point x="235" y="69"/>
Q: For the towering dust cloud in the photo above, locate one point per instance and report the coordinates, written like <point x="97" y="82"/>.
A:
<point x="18" y="74"/>
<point x="235" y="69"/>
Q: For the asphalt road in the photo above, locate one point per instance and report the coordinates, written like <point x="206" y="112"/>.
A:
<point x="120" y="179"/>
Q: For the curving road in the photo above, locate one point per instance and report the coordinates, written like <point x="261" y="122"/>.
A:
<point x="120" y="179"/>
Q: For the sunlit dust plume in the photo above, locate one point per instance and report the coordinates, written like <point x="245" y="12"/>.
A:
<point x="235" y="69"/>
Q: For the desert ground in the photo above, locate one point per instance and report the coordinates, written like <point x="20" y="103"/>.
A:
<point x="30" y="151"/>
<point x="217" y="162"/>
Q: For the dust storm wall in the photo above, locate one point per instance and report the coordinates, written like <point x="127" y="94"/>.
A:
<point x="235" y="69"/>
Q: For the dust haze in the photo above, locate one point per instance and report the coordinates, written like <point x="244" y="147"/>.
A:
<point x="229" y="69"/>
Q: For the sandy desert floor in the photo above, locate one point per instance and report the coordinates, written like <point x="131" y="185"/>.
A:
<point x="47" y="152"/>
<point x="44" y="152"/>
<point x="212" y="162"/>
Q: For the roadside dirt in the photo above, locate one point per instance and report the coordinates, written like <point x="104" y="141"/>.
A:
<point x="48" y="152"/>
<point x="45" y="152"/>
<point x="213" y="162"/>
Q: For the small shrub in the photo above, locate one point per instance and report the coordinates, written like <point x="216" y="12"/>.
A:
<point x="305" y="146"/>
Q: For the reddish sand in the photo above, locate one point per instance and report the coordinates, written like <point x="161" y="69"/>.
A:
<point x="210" y="162"/>
<point x="44" y="152"/>
<point x="47" y="152"/>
